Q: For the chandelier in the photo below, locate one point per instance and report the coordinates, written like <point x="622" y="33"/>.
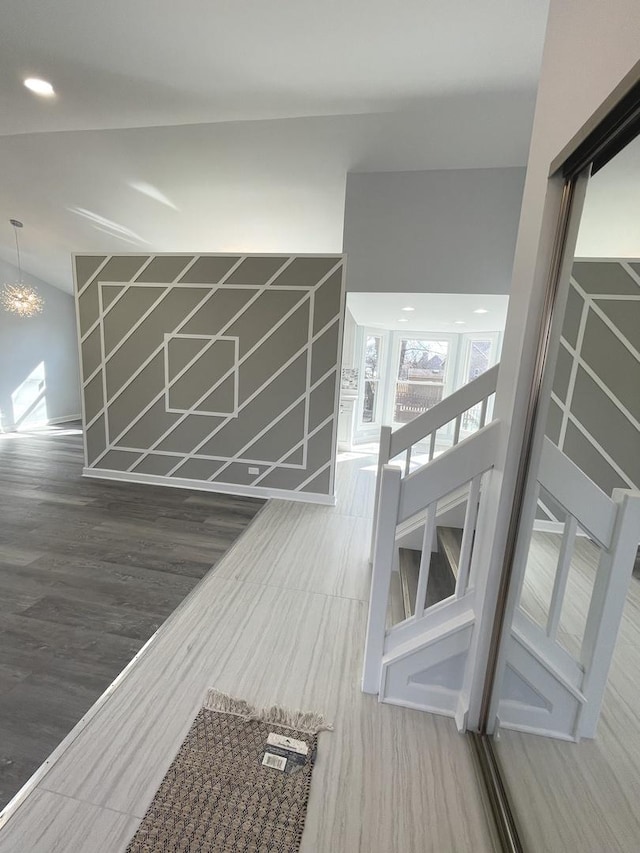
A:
<point x="20" y="298"/>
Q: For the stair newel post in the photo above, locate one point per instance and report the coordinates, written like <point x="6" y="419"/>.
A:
<point x="384" y="455"/>
<point x="605" y="610"/>
<point x="383" y="555"/>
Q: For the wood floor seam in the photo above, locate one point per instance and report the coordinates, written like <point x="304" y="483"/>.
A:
<point x="90" y="803"/>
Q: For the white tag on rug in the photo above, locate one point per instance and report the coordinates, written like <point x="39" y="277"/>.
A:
<point x="289" y="743"/>
<point x="278" y="762"/>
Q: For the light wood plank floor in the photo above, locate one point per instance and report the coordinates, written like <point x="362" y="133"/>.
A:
<point x="281" y="619"/>
<point x="583" y="797"/>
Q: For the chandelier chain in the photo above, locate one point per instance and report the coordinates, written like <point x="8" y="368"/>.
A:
<point x="15" y="232"/>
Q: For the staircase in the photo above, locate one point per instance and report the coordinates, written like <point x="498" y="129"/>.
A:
<point x="442" y="575"/>
<point x="422" y="605"/>
<point x="430" y="574"/>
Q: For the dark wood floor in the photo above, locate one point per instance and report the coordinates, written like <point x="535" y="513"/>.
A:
<point x="88" y="571"/>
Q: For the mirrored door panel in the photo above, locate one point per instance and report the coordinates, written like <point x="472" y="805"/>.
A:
<point x="567" y="696"/>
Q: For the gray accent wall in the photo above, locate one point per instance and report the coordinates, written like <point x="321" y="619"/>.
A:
<point x="450" y="231"/>
<point x="27" y="343"/>
<point x="200" y="367"/>
<point x="595" y="408"/>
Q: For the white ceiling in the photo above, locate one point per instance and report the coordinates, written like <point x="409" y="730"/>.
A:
<point x="158" y="62"/>
<point x="433" y="312"/>
<point x="209" y="106"/>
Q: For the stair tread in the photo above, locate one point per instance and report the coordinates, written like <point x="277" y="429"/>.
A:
<point x="441" y="581"/>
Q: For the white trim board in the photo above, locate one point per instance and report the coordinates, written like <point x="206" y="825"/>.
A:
<point x="542" y="526"/>
<point x="206" y="486"/>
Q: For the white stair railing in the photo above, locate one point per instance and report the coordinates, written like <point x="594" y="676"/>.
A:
<point x="535" y="652"/>
<point x="403" y="497"/>
<point x="452" y="409"/>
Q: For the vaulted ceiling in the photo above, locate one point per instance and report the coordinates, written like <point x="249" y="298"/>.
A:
<point x="221" y="125"/>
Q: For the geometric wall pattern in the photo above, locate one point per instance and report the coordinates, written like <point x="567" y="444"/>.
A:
<point x="594" y="415"/>
<point x="220" y="369"/>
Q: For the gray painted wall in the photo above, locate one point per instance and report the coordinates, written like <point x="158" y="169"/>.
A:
<point x="49" y="337"/>
<point x="200" y="367"/>
<point x="442" y="231"/>
<point x="595" y="409"/>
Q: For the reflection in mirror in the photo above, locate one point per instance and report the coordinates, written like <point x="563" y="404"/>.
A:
<point x="568" y="703"/>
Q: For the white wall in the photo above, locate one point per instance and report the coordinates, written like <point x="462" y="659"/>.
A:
<point x="49" y="337"/>
<point x="573" y="86"/>
<point x="434" y="231"/>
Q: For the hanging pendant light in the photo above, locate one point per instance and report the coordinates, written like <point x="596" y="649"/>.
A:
<point x="20" y="298"/>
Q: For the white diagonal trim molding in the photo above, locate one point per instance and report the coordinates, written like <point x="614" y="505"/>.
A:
<point x="574" y="370"/>
<point x="124" y="285"/>
<point x="603" y="387"/>
<point x="158" y="349"/>
<point x="310" y="293"/>
<point x="181" y="325"/>
<point x="601" y="451"/>
<point x="280" y="462"/>
<point x="144" y="364"/>
<point x="626" y="266"/>
<point x="211" y="290"/>
<point x="104" y="357"/>
<point x="304" y="396"/>
<point x="183" y="370"/>
<point x="609" y="323"/>
<point x="259" y="390"/>
<point x="193" y="409"/>
<point x="313" y="476"/>
<point x="92" y="278"/>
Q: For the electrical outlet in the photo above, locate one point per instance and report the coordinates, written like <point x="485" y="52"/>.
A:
<point x="254" y="470"/>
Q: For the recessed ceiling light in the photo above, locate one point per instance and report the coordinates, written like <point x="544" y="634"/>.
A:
<point x="403" y="320"/>
<point x="459" y="323"/>
<point x="480" y="311"/>
<point x="40" y="87"/>
<point x="409" y="308"/>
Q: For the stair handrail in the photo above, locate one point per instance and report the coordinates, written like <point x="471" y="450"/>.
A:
<point x="451" y="408"/>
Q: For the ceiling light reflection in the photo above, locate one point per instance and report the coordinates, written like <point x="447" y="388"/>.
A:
<point x="152" y="192"/>
<point x="39" y="87"/>
<point x="108" y="226"/>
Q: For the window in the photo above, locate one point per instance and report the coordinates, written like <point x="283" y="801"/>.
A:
<point x="480" y="357"/>
<point x="371" y="372"/>
<point x="422" y="367"/>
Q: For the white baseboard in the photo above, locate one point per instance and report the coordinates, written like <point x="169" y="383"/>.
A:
<point x="205" y="486"/>
<point x="65" y="420"/>
<point x="36" y="425"/>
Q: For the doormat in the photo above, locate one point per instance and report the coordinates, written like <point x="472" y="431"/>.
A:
<point x="239" y="783"/>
